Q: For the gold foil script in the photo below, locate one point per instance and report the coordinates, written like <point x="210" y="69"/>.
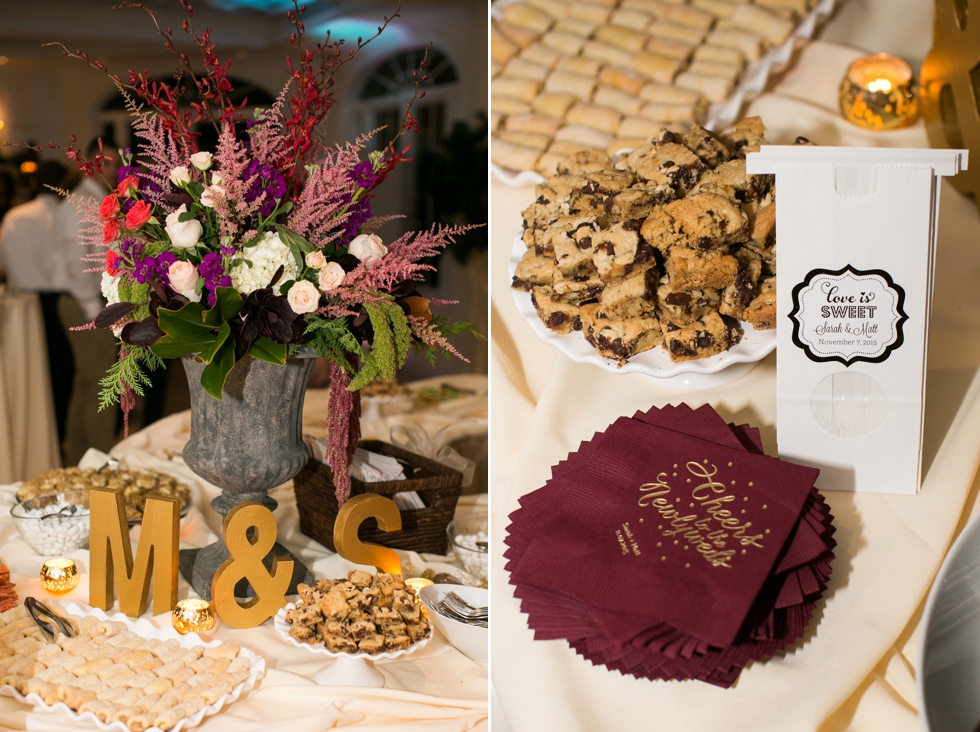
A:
<point x="709" y="524"/>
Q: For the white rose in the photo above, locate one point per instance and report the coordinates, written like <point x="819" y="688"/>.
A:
<point x="180" y="176"/>
<point x="331" y="276"/>
<point x="368" y="248"/>
<point x="213" y="195"/>
<point x="316" y="260"/>
<point x="216" y="178"/>
<point x="201" y="160"/>
<point x="303" y="297"/>
<point x="183" y="234"/>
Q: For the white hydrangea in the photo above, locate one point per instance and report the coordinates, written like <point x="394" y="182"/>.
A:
<point x="110" y="288"/>
<point x="266" y="257"/>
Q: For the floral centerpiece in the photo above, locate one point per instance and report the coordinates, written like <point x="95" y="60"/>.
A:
<point x="264" y="246"/>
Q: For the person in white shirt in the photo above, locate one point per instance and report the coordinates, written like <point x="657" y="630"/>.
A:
<point x="29" y="255"/>
<point x="94" y="350"/>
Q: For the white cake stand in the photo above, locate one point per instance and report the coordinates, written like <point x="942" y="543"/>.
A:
<point x="349" y="669"/>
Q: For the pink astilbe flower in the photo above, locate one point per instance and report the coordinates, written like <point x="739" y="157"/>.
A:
<point x="404" y="260"/>
<point x="428" y="333"/>
<point x="318" y="214"/>
<point x="160" y="154"/>
<point x="268" y="143"/>
<point x="343" y="428"/>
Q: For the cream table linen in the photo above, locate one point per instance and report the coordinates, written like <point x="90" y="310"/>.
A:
<point x="855" y="668"/>
<point x="28" y="435"/>
<point x="435" y="689"/>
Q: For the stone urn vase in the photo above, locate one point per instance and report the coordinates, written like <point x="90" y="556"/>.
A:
<point x="246" y="444"/>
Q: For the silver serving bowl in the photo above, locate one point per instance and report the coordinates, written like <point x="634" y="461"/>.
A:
<point x="949" y="649"/>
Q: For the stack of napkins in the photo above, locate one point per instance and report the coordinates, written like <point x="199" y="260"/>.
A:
<point x="670" y="547"/>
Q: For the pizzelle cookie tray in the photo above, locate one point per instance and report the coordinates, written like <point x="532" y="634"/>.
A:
<point x="604" y="75"/>
<point x="254" y="669"/>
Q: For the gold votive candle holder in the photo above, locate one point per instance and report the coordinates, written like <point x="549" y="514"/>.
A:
<point x="59" y="576"/>
<point x="879" y="92"/>
<point x="193" y="616"/>
<point x="416" y="585"/>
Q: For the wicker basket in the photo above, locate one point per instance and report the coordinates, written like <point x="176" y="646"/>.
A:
<point x="423" y="530"/>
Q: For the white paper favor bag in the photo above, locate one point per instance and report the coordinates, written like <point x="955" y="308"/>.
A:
<point x="856" y="232"/>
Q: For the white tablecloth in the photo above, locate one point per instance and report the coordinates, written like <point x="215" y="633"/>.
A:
<point x="436" y="689"/>
<point x="855" y="669"/>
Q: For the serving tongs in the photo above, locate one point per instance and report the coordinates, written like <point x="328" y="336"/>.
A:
<point x="38" y="610"/>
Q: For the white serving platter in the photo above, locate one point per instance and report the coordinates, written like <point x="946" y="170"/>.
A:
<point x="720" y="114"/>
<point x="147" y="630"/>
<point x="350" y="669"/>
<point x="703" y="373"/>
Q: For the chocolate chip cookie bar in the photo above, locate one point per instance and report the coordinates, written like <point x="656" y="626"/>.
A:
<point x="705" y="337"/>
<point x="557" y="316"/>
<point x="761" y="312"/>
<point x="533" y="269"/>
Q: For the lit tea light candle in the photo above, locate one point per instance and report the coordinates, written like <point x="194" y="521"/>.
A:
<point x="879" y="92"/>
<point x="417" y="584"/>
<point x="193" y="616"/>
<point x="59" y="576"/>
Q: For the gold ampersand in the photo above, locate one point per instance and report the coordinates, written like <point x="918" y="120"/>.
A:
<point x="246" y="563"/>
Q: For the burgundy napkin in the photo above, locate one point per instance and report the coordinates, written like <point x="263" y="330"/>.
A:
<point x="668" y="625"/>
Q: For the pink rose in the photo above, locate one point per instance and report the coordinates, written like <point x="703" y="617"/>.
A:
<point x="315" y="260"/>
<point x="303" y="297"/>
<point x="368" y="248"/>
<point x="331" y="276"/>
<point x="183" y="276"/>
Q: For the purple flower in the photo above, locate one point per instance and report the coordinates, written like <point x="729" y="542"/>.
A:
<point x="126" y="171"/>
<point x="212" y="269"/>
<point x="128" y="204"/>
<point x="154" y="268"/>
<point x="363" y="174"/>
<point x="360" y="213"/>
<point x="131" y="249"/>
<point x="264" y="179"/>
<point x="228" y="251"/>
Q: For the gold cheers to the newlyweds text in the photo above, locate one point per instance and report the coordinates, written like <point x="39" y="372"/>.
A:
<point x="710" y="523"/>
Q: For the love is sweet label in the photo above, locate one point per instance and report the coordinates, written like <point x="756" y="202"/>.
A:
<point x="856" y="231"/>
<point x="848" y="315"/>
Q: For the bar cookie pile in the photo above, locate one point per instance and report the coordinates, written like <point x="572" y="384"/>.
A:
<point x="360" y="614"/>
<point x="607" y="74"/>
<point x="672" y="246"/>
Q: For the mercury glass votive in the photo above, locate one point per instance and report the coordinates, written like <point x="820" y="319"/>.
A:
<point x="879" y="92"/>
<point x="59" y="576"/>
<point x="193" y="616"/>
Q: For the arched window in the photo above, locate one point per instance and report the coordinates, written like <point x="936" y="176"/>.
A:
<point x="389" y="85"/>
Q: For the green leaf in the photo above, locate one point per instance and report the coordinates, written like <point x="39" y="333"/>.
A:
<point x="186" y="323"/>
<point x="229" y="301"/>
<point x="195" y="189"/>
<point x="170" y="347"/>
<point x="207" y="354"/>
<point x="216" y="373"/>
<point x="187" y="215"/>
<point x="265" y="349"/>
<point x="254" y="240"/>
